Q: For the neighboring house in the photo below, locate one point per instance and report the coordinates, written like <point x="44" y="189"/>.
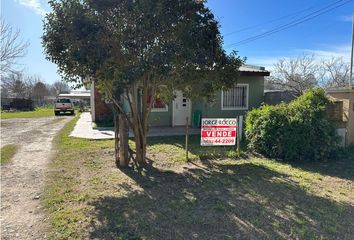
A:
<point x="247" y="94"/>
<point x="100" y="110"/>
<point x="343" y="113"/>
<point x="274" y="97"/>
<point x="79" y="97"/>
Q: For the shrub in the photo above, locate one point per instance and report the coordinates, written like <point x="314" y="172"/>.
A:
<point x="22" y="104"/>
<point x="296" y="131"/>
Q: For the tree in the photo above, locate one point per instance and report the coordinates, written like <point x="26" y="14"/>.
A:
<point x="135" y="50"/>
<point x="296" y="74"/>
<point x="12" y="48"/>
<point x="59" y="87"/>
<point x="15" y="85"/>
<point x="40" y="90"/>
<point x="4" y="92"/>
<point x="335" y="72"/>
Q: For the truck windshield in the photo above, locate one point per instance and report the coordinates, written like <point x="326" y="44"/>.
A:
<point x="63" y="100"/>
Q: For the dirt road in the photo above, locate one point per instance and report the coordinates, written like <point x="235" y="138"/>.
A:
<point x="22" y="180"/>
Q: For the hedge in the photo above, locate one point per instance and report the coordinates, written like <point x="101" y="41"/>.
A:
<point x="300" y="130"/>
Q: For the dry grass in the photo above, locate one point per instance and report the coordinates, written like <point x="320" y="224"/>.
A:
<point x="89" y="198"/>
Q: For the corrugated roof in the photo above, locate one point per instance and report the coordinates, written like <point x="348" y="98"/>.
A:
<point x="73" y="94"/>
<point x="252" y="68"/>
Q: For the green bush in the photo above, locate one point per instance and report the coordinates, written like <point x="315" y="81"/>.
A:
<point x="296" y="131"/>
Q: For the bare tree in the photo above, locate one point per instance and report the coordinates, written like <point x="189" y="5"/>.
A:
<point x="59" y="87"/>
<point x="296" y="74"/>
<point x="12" y="48"/>
<point x="335" y="72"/>
<point x="4" y="92"/>
<point x="14" y="85"/>
<point x="29" y="81"/>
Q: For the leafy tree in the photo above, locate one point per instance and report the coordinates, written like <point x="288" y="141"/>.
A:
<point x="136" y="49"/>
<point x="40" y="90"/>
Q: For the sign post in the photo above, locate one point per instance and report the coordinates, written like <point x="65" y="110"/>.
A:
<point x="238" y="137"/>
<point x="218" y="132"/>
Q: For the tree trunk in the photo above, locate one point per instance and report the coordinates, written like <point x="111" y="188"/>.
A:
<point x="121" y="140"/>
<point x="123" y="143"/>
<point x="116" y="139"/>
<point x="140" y="144"/>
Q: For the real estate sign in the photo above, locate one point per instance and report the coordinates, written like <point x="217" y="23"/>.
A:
<point x="218" y="131"/>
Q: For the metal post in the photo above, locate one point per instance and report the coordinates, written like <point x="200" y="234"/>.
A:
<point x="187" y="135"/>
<point x="238" y="135"/>
<point x="351" y="56"/>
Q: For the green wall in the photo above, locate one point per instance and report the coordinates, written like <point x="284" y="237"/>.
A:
<point x="255" y="98"/>
<point x="213" y="110"/>
<point x="161" y="118"/>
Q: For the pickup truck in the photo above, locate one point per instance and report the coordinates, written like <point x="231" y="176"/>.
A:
<point x="63" y="105"/>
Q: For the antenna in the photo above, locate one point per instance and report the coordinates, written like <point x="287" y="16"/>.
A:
<point x="351" y="55"/>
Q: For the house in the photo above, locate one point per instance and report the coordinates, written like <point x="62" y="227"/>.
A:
<point x="343" y="113"/>
<point x="274" y="97"/>
<point x="100" y="110"/>
<point x="247" y="94"/>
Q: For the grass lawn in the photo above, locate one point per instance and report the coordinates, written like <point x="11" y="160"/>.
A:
<point x="219" y="197"/>
<point x="7" y="152"/>
<point x="38" y="112"/>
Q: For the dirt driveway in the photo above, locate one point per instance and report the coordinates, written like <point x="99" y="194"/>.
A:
<point x="22" y="180"/>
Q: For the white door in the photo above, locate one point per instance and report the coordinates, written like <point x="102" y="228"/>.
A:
<point x="181" y="109"/>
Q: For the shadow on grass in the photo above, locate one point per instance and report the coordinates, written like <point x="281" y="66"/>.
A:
<point x="221" y="201"/>
<point x="194" y="147"/>
<point x="342" y="165"/>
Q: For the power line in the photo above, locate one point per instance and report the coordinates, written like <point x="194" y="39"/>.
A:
<point x="270" y="21"/>
<point x="291" y="24"/>
<point x="298" y="21"/>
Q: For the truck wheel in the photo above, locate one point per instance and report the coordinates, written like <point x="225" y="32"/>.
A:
<point x="72" y="113"/>
<point x="56" y="113"/>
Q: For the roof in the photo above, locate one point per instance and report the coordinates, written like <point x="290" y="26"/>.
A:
<point x="274" y="90"/>
<point x="76" y="94"/>
<point x="340" y="89"/>
<point x="252" y="70"/>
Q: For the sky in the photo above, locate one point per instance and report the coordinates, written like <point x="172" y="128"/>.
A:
<point x="261" y="31"/>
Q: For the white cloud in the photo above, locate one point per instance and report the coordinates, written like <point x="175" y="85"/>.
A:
<point x="320" y="53"/>
<point x="34" y="5"/>
<point x="266" y="62"/>
<point x="346" y="18"/>
<point x="331" y="51"/>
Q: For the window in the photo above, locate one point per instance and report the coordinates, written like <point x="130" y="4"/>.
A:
<point x="63" y="100"/>
<point x="235" y="98"/>
<point x="159" y="106"/>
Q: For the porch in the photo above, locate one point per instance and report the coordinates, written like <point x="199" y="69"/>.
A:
<point x="84" y="129"/>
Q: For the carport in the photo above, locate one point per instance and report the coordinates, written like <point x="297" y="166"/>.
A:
<point x="82" y="95"/>
<point x="78" y="97"/>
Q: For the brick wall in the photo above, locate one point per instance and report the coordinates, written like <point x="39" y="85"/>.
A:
<point x="335" y="111"/>
<point x="346" y="96"/>
<point x="103" y="112"/>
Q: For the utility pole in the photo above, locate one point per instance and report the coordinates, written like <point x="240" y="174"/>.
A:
<point x="351" y="55"/>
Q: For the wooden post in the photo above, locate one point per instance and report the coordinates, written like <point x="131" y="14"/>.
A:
<point x="187" y="135"/>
